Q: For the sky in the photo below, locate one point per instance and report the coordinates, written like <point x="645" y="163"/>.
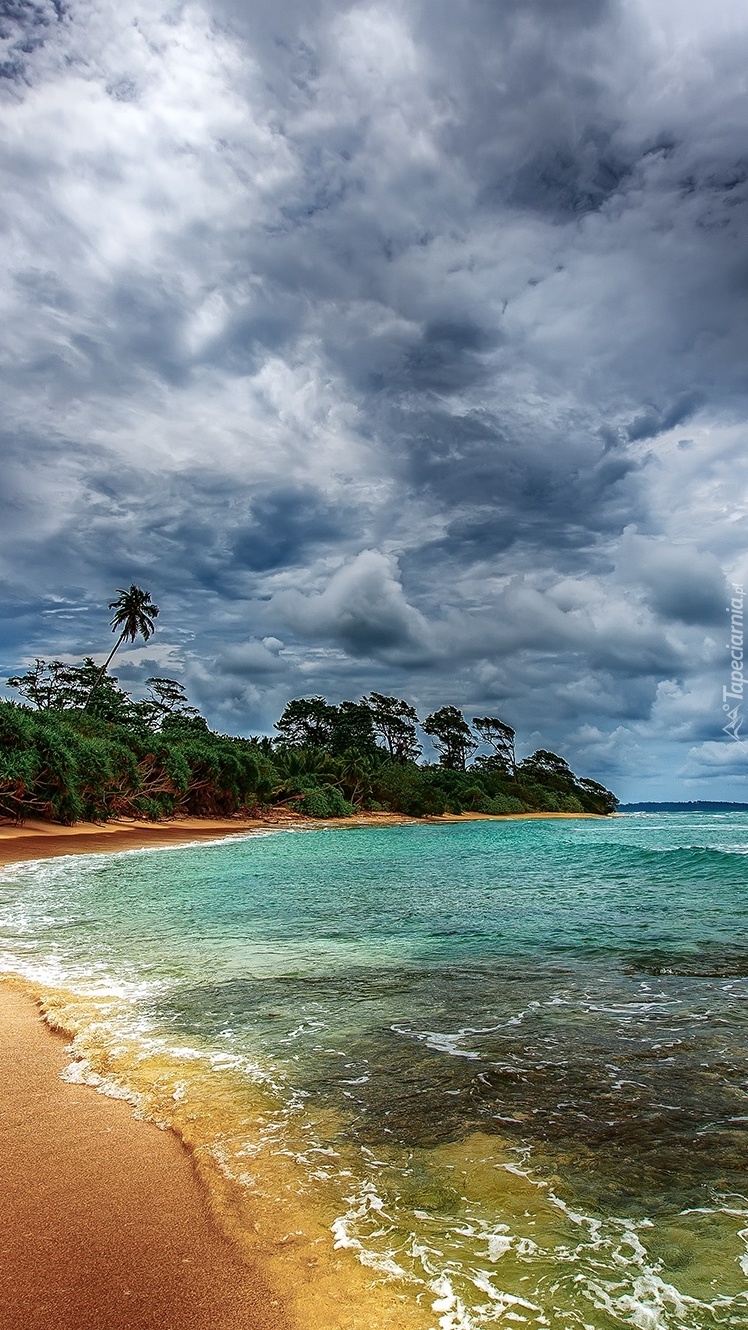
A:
<point x="395" y="346"/>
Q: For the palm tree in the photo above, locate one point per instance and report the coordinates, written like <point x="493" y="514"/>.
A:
<point x="134" y="613"/>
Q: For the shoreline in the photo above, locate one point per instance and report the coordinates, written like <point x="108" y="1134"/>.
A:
<point x="104" y="1221"/>
<point x="107" y="1220"/>
<point x="37" y="840"/>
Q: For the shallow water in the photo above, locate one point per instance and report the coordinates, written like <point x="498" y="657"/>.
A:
<point x="487" y="1073"/>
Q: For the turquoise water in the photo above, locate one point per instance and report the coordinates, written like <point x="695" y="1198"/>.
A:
<point x="504" y="1061"/>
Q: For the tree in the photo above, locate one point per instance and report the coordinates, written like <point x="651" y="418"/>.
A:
<point x="546" y="768"/>
<point x="168" y="699"/>
<point x="500" y="738"/>
<point x="595" y="798"/>
<point x="452" y="737"/>
<point x="355" y="772"/>
<point x="307" y="722"/>
<point x="45" y="685"/>
<point x="101" y="697"/>
<point x="395" y="723"/>
<point x="352" y="730"/>
<point x="134" y="613"/>
<point x="311" y="722"/>
<point x="56" y="686"/>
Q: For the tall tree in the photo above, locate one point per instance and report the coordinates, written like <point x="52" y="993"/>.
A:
<point x="547" y="769"/>
<point x="352" y="729"/>
<point x="167" y="698"/>
<point x="307" y="722"/>
<point x="395" y="722"/>
<point x="134" y="613"/>
<point x="595" y="797"/>
<point x="500" y="738"/>
<point x="57" y="686"/>
<point x="452" y="736"/>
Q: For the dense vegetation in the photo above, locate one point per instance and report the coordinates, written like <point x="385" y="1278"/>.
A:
<point x="79" y="747"/>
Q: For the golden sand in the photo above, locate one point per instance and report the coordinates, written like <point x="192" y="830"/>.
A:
<point x="102" y="1220"/>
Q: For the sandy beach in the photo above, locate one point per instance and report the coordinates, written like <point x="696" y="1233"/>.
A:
<point x="103" y="1223"/>
<point x="45" y="840"/>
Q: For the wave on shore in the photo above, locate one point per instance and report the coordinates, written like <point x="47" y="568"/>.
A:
<point x="431" y="1075"/>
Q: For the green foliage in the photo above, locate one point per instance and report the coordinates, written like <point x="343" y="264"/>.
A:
<point x="499" y="737"/>
<point x="311" y="722"/>
<point x="452" y="737"/>
<point x="546" y="769"/>
<point x="134" y="613"/>
<point x="85" y="749"/>
<point x="68" y="765"/>
<point x="167" y="702"/>
<point x="594" y="797"/>
<point x="321" y="802"/>
<point x="404" y="788"/>
<point x="394" y="721"/>
<point x="569" y="803"/>
<point x="306" y="722"/>
<point x="504" y="804"/>
<point x="352" y="730"/>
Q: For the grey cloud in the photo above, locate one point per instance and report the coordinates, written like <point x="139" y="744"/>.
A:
<point x="251" y="659"/>
<point x="363" y="607"/>
<point x="23" y="26"/>
<point x="313" y="284"/>
<point x="283" y="526"/>
<point x="681" y="582"/>
<point x="651" y="422"/>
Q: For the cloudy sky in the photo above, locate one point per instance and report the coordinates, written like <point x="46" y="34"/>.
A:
<point x="390" y="345"/>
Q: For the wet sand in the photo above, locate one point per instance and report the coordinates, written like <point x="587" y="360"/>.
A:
<point x="103" y="1224"/>
<point x="46" y="840"/>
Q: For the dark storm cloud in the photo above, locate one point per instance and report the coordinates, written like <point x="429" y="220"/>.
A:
<point x="284" y="526"/>
<point x="23" y="28"/>
<point x="683" y="583"/>
<point x="536" y="122"/>
<point x="360" y="332"/>
<point x="652" y="421"/>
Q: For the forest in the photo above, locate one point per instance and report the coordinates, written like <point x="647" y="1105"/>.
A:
<point x="77" y="747"/>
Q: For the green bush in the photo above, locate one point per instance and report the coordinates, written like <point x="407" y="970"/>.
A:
<point x="324" y="801"/>
<point x="570" y="804"/>
<point x="68" y="765"/>
<point x="504" y="804"/>
<point x="401" y="788"/>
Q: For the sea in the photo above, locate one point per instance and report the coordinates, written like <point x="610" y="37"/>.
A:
<point x="448" y="1076"/>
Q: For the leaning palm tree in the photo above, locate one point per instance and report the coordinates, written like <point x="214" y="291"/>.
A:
<point x="134" y="613"/>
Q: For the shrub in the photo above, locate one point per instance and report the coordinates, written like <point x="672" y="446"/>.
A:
<point x="505" y="804"/>
<point x="325" y="801"/>
<point x="401" y="788"/>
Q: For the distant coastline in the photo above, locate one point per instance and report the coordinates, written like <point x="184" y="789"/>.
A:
<point x="685" y="806"/>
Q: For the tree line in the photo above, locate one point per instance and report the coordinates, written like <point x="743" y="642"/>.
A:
<point x="78" y="746"/>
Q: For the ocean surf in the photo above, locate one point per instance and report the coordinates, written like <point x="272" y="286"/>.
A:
<point x="444" y="1076"/>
